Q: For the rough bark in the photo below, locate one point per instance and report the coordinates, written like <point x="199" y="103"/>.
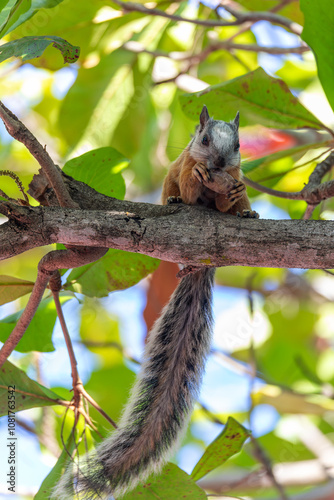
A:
<point x="183" y="234"/>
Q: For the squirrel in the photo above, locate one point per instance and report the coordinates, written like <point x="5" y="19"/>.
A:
<point x="208" y="173"/>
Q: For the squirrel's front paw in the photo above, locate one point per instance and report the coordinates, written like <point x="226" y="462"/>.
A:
<point x="248" y="214"/>
<point x="201" y="173"/>
<point x="237" y="191"/>
<point x="174" y="199"/>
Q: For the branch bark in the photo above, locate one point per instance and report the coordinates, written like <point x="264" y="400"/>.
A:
<point x="182" y="234"/>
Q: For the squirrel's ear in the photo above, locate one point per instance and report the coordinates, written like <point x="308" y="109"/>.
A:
<point x="204" y="117"/>
<point x="236" y="121"/>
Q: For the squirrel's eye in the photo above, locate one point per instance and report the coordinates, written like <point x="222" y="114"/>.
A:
<point x="205" y="140"/>
<point x="237" y="147"/>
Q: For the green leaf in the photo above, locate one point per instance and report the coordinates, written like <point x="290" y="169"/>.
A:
<point x="23" y="14"/>
<point x="30" y="47"/>
<point x="45" y="490"/>
<point x="228" y="443"/>
<point x="12" y="13"/>
<point x="100" y="169"/>
<point x="260" y="98"/>
<point x="117" y="270"/>
<point x="105" y="90"/>
<point x="12" y="288"/>
<point x="171" y="483"/>
<point x="319" y="35"/>
<point x="98" y="330"/>
<point x="112" y="396"/>
<point x="38" y="336"/>
<point x="250" y="165"/>
<point x="28" y="393"/>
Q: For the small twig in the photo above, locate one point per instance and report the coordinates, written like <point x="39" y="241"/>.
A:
<point x="50" y="263"/>
<point x="263" y="458"/>
<point x="78" y="389"/>
<point x="273" y="192"/>
<point x="42" y="280"/>
<point x="269" y="16"/>
<point x="19" y="184"/>
<point x="313" y="193"/>
<point x="20" y="132"/>
<point x="308" y="212"/>
<point x="281" y="5"/>
<point x="138" y="48"/>
<point x="55" y="286"/>
<point x="97" y="407"/>
<point x="241" y="18"/>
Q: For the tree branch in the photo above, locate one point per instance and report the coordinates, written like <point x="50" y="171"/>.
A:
<point x="194" y="59"/>
<point x="241" y="18"/>
<point x="183" y="234"/>
<point x="313" y="192"/>
<point x="20" y="132"/>
<point x="51" y="262"/>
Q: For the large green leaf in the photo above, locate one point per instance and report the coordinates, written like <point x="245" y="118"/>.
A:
<point x="117" y="270"/>
<point x="30" y="47"/>
<point x="12" y="288"/>
<point x="45" y="490"/>
<point x="228" y="443"/>
<point x="28" y="393"/>
<point x="100" y="169"/>
<point x="172" y="483"/>
<point x="260" y="98"/>
<point x="319" y="35"/>
<point x="38" y="336"/>
<point x="105" y="90"/>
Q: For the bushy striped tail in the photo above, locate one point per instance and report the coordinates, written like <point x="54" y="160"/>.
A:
<point x="161" y="399"/>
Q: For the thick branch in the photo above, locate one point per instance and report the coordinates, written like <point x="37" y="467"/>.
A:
<point x="183" y="234"/>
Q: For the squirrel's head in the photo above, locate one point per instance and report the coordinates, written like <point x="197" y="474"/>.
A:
<point x="216" y="143"/>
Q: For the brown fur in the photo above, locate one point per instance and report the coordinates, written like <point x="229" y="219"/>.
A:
<point x="181" y="181"/>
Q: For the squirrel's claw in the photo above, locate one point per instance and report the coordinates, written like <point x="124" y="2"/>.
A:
<point x="237" y="192"/>
<point x="174" y="199"/>
<point x="248" y="214"/>
<point x="201" y="173"/>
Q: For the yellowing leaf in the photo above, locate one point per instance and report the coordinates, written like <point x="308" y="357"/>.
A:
<point x="12" y="288"/>
<point x="289" y="402"/>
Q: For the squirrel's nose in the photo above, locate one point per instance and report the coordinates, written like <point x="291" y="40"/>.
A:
<point x="220" y="162"/>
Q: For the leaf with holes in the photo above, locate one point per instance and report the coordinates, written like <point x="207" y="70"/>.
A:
<point x="27" y="392"/>
<point x="260" y="98"/>
<point x="228" y="443"/>
<point x="30" y="47"/>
